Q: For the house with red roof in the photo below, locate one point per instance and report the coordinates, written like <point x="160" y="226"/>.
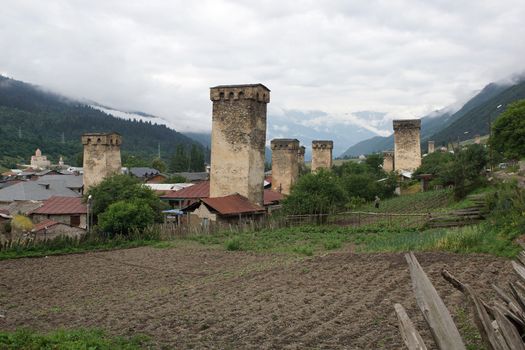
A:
<point x="66" y="210"/>
<point x="232" y="209"/>
<point x="185" y="197"/>
<point x="50" y="229"/>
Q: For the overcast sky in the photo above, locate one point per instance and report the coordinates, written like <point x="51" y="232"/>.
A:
<point x="405" y="58"/>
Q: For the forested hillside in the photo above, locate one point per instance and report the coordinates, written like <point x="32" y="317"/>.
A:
<point x="31" y="118"/>
<point x="472" y="119"/>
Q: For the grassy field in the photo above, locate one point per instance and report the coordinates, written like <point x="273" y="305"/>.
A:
<point x="68" y="340"/>
<point x="421" y="202"/>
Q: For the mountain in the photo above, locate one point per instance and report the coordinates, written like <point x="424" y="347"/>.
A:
<point x="31" y="118"/>
<point x="443" y="126"/>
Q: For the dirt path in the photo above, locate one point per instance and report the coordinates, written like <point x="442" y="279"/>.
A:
<point x="193" y="297"/>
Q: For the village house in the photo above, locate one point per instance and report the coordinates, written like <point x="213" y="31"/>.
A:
<point x="50" y="229"/>
<point x="66" y="210"/>
<point x="231" y="209"/>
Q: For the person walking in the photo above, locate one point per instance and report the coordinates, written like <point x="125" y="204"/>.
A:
<point x="376" y="202"/>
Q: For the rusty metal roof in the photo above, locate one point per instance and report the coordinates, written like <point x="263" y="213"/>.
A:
<point x="199" y="190"/>
<point x="62" y="205"/>
<point x="44" y="225"/>
<point x="234" y="204"/>
<point x="272" y="197"/>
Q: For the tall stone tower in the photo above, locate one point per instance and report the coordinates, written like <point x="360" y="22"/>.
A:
<point x="101" y="157"/>
<point x="285" y="164"/>
<point x="300" y="156"/>
<point x="238" y="140"/>
<point x="322" y="154"/>
<point x="388" y="161"/>
<point x="407" y="144"/>
<point x="431" y="147"/>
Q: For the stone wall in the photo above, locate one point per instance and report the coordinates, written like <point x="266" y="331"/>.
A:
<point x="238" y="140"/>
<point x="407" y="144"/>
<point x="65" y="219"/>
<point x="431" y="147"/>
<point x="388" y="161"/>
<point x="285" y="164"/>
<point x="101" y="157"/>
<point x="322" y="154"/>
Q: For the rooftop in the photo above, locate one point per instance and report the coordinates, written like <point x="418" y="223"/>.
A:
<point x="239" y="86"/>
<point x="62" y="206"/>
<point x="36" y="191"/>
<point x="234" y="204"/>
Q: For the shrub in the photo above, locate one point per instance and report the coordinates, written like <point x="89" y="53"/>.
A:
<point x="22" y="223"/>
<point x="233" y="244"/>
<point x="122" y="217"/>
<point x="508" y="135"/>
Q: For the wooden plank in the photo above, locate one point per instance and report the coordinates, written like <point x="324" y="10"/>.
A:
<point x="520" y="270"/>
<point x="436" y="314"/>
<point x="410" y="335"/>
<point x="509" y="331"/>
<point x="489" y="329"/>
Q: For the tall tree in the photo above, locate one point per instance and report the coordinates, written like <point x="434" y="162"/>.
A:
<point x="179" y="161"/>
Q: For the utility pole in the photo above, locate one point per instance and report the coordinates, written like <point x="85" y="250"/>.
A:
<point x="158" y="150"/>
<point x="63" y="138"/>
<point x="19" y="132"/>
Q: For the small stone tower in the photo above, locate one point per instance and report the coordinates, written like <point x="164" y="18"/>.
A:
<point x="477" y="139"/>
<point x="431" y="147"/>
<point x="388" y="161"/>
<point x="322" y="154"/>
<point x="300" y="156"/>
<point x="285" y="166"/>
<point x="238" y="140"/>
<point x="407" y="144"/>
<point x="101" y="157"/>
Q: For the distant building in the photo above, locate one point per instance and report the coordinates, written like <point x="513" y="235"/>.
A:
<point x="67" y="210"/>
<point x="101" y="157"/>
<point x="49" y="229"/>
<point x="38" y="161"/>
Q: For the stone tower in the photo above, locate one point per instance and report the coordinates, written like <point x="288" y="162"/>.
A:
<point x="285" y="164"/>
<point x="101" y="157"/>
<point x="238" y="140"/>
<point x="407" y="144"/>
<point x="300" y="156"/>
<point x="431" y="147"/>
<point x="388" y="161"/>
<point x="322" y="154"/>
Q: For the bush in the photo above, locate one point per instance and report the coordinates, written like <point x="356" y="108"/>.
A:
<point x="316" y="193"/>
<point x="233" y="244"/>
<point x="122" y="217"/>
<point x="124" y="188"/>
<point x="508" y="136"/>
<point x="22" y="223"/>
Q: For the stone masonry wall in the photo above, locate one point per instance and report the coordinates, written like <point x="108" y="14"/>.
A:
<point x="238" y="140"/>
<point x="388" y="161"/>
<point x="101" y="157"/>
<point x="407" y="144"/>
<point x="285" y="164"/>
<point x="322" y="154"/>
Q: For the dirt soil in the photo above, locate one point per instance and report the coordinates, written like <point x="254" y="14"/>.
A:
<point x="198" y="297"/>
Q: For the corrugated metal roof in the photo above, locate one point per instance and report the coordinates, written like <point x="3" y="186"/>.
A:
<point x="198" y="190"/>
<point x="32" y="190"/>
<point x="44" y="225"/>
<point x="234" y="204"/>
<point x="272" y="197"/>
<point x="202" y="190"/>
<point x="62" y="205"/>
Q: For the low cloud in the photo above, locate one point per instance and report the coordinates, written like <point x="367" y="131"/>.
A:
<point x="405" y="58"/>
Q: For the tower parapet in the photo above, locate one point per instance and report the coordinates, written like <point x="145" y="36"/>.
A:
<point x="388" y="161"/>
<point x="238" y="140"/>
<point x="322" y="154"/>
<point x="407" y="144"/>
<point x="285" y="164"/>
<point x="101" y="157"/>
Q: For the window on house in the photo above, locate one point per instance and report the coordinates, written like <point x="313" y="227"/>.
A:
<point x="75" y="220"/>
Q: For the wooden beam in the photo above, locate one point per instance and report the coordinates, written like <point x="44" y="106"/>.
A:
<point x="410" y="335"/>
<point x="436" y="314"/>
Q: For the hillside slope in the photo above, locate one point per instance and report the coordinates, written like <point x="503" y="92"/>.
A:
<point x="32" y="118"/>
<point x="472" y="118"/>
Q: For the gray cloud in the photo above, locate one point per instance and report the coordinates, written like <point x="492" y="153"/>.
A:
<point x="405" y="58"/>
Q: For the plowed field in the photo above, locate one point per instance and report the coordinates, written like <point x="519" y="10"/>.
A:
<point x="196" y="297"/>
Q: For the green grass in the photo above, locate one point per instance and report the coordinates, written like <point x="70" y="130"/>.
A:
<point x="62" y="246"/>
<point x="310" y="240"/>
<point x="68" y="340"/>
<point x="421" y="202"/>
